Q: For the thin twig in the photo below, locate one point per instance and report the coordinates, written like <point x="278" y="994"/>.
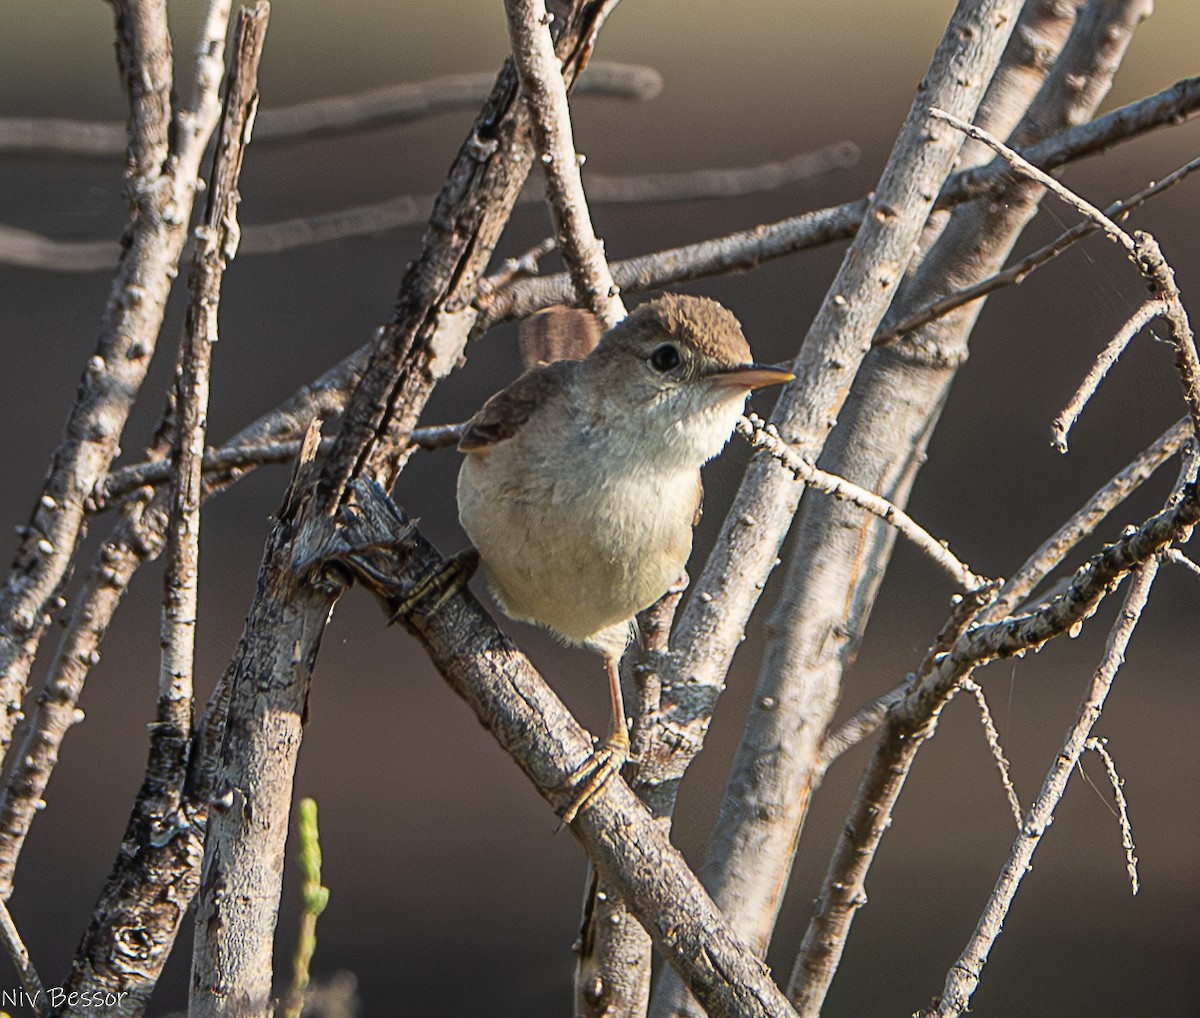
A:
<point x="1085" y="520"/>
<point x="765" y="436"/>
<point x="747" y="249"/>
<point x="334" y="115"/>
<point x="1027" y="169"/>
<point x="28" y="249"/>
<point x="241" y="459"/>
<point x="993" y="741"/>
<point x="1100" y="748"/>
<point x="19" y="954"/>
<point x="1063" y="423"/>
<point x="861" y="725"/>
<point x="545" y="94"/>
<point x="1143" y="251"/>
<point x="1016" y="273"/>
<point x="912" y="721"/>
<point x="1180" y="559"/>
<point x="964" y="974"/>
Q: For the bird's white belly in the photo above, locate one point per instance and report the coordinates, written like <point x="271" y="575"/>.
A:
<point x="581" y="562"/>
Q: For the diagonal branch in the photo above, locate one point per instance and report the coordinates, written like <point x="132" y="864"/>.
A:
<point x="1018" y="271"/>
<point x="531" y="724"/>
<point x="914" y="720"/>
<point x="1084" y="521"/>
<point x="18" y="953"/>
<point x="764" y="436"/>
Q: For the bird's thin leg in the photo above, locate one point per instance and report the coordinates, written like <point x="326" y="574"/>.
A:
<point x="596" y="771"/>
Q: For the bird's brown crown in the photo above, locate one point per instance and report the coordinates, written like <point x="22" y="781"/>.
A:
<point x="703" y="324"/>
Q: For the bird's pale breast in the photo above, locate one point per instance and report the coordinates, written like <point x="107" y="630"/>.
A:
<point x="576" y="558"/>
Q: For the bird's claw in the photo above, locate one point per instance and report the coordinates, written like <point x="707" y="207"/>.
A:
<point x="590" y="777"/>
<point x="439" y="586"/>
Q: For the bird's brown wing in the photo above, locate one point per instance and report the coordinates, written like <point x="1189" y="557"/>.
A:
<point x="558" y="333"/>
<point x="501" y="416"/>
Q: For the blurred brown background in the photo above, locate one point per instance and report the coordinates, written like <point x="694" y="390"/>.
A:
<point x="450" y="892"/>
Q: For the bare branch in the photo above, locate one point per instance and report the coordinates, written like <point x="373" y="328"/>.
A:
<point x="335" y="115"/>
<point x="860" y="726"/>
<point x="138" y="537"/>
<point x="1085" y="520"/>
<point x="237" y="459"/>
<point x="1027" y="169"/>
<point x="545" y="95"/>
<point x="993" y="741"/>
<point x="629" y="850"/>
<point x="1180" y="559"/>
<point x="736" y="252"/>
<point x="157" y="870"/>
<point x="765" y="436"/>
<point x="19" y="954"/>
<point x="161" y="190"/>
<point x="1100" y="748"/>
<point x="964" y="974"/>
<point x="1170" y="106"/>
<point x="1063" y="423"/>
<point x="1018" y="271"/>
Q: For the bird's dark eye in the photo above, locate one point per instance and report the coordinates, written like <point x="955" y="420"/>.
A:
<point x="665" y="357"/>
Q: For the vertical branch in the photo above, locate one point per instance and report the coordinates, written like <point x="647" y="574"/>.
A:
<point x="162" y="183"/>
<point x="546" y="95"/>
<point x="269" y="677"/>
<point x="612" y="974"/>
<point x="156" y="873"/>
<point x="838" y="557"/>
<point x="714" y="620"/>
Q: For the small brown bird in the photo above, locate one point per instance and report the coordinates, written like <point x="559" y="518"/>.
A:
<point x="581" y="482"/>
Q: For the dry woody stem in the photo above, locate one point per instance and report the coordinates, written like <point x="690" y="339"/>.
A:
<point x="913" y="720"/>
<point x="964" y="975"/>
<point x="157" y="870"/>
<point x="764" y="436"/>
<point x="544" y="92"/>
<point x="162" y="181"/>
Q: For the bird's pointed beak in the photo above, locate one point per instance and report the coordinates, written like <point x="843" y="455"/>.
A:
<point x="751" y="376"/>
